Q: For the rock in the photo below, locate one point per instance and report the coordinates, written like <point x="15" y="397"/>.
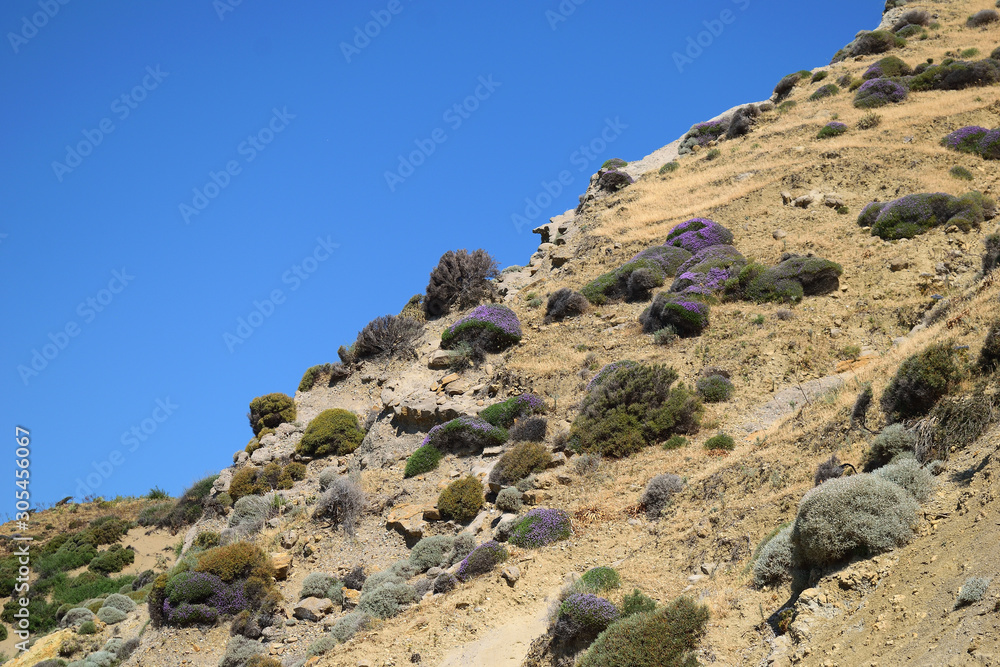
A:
<point x="312" y="609"/>
<point x="898" y="264"/>
<point x="282" y="563"/>
<point x="351" y="599"/>
<point x="240" y="458"/>
<point x="439" y="359"/>
<point x="407" y="519"/>
<point x="536" y="496"/>
<point x="778" y="234"/>
<point x="492" y="451"/>
<point x="695" y="578"/>
<point x="387" y="397"/>
<point x="786" y="198"/>
<point x="431" y="514"/>
<point x="835" y="332"/>
<point x="565" y="480"/>
<point x="221" y="484"/>
<point x="447" y="379"/>
<point x="262" y="455"/>
<point x="561" y="256"/>
<point x="558" y="459"/>
<point x="805" y="201"/>
<point x="288" y="539"/>
<point x="833" y="200"/>
<point x="511" y="574"/>
<point x="709" y="568"/>
<point x="456" y="388"/>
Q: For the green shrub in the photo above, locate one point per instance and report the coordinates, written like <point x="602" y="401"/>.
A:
<point x="632" y="407"/>
<point x="588" y="613"/>
<point x="774" y="560"/>
<point x="989" y="356"/>
<point x="675" y="442"/>
<point x="347" y="626"/>
<point x="637" y="602"/>
<point x="721" y="441"/>
<point x="423" y="460"/>
<point x="829" y="90"/>
<point x="869" y="121"/>
<point x="520" y="461"/>
<point x="239" y="560"/>
<point x="465" y="434"/>
<point x="666" y="637"/>
<point x="461" y="500"/>
<point x="972" y="591"/>
<point x="831" y="130"/>
<point x="503" y="414"/>
<point x="685" y="314"/>
<point x="787" y="106"/>
<point x="87" y="628"/>
<point x="119" y="602"/>
<point x="922" y="379"/>
<point x="714" y="388"/>
<point x="713" y="154"/>
<point x="111" y="615"/>
<point x="482" y="559"/>
<point x="910" y="475"/>
<point x="332" y="433"/>
<point x="961" y="173"/>
<point x="670" y="167"/>
<point x="915" y="214"/>
<point x="510" y="499"/>
<point x="991" y="258"/>
<point x="245" y="483"/>
<point x="819" y="76"/>
<point x="665" y="336"/>
<point x="270" y="410"/>
<point x="115" y="559"/>
<point x="190" y="506"/>
<point x="108" y="529"/>
<point x="598" y="580"/>
<point x="858" y="515"/>
<point x="384" y="602"/>
<point x="430" y="552"/>
<point x="541" y="527"/>
<point x="956" y="75"/>
<point x="319" y="585"/>
<point x="614" y="163"/>
<point x="239" y="650"/>
<point x="894" y="440"/>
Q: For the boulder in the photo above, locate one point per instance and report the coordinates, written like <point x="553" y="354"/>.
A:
<point x="439" y="359"/>
<point x="312" y="609"/>
<point x="351" y="599"/>
<point x="282" y="563"/>
<point x="511" y="574"/>
<point x="407" y="519"/>
<point x="262" y="456"/>
<point x="221" y="484"/>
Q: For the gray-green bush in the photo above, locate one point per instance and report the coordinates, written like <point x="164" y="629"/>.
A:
<point x="775" y="561"/>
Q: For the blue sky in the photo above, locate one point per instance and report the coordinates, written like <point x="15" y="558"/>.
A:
<point x="170" y="168"/>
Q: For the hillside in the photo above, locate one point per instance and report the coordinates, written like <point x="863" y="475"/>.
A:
<point x="797" y="370"/>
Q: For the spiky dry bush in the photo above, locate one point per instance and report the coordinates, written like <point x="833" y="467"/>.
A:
<point x="460" y="279"/>
<point x="832" y="468"/>
<point x="565" y="303"/>
<point x="989" y="356"/>
<point x="912" y="17"/>
<point x="659" y="493"/>
<point x="386" y="336"/>
<point x="342" y="504"/>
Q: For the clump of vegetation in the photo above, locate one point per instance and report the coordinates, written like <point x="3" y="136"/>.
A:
<point x="829" y="90"/>
<point x="915" y="214"/>
<point x="631" y="281"/>
<point x="991" y="257"/>
<point x="714" y="388"/>
<point x="787" y="106"/>
<point x="614" y="163"/>
<point x="708" y="270"/>
<point x="665" y="336"/>
<point x="342" y="504"/>
<point x="915" y="17"/>
<point x="461" y="500"/>
<point x="510" y="499"/>
<point x="961" y="173"/>
<point x="680" y="315"/>
<point x="189" y="507"/>
<point x="869" y="121"/>
<point x="701" y="135"/>
<point x="879" y="93"/>
<point x="565" y="303"/>
<point x="334" y="373"/>
<point x="424" y="459"/>
<point x="637" y="602"/>
<point x="488" y="328"/>
<point x="518" y="462"/>
<point x="530" y="428"/>
<point x="612" y="180"/>
<point x="598" y="580"/>
<point x="115" y="559"/>
<point x="249" y="480"/>
<point x="854" y="515"/>
<point x="773" y="563"/>
<point x="386" y="336"/>
<point x="975" y="140"/>
<point x="334" y="432"/>
<point x="922" y="379"/>
<point x="666" y="637"/>
<point x="482" y="559"/>
<point x="784" y="87"/>
<point x="460" y="279"/>
<point x="958" y="422"/>
<point x="270" y="411"/>
<point x="829" y="130"/>
<point x="465" y="434"/>
<point x="982" y="17"/>
<point x="972" y="591"/>
<point x="910" y="476"/>
<point x="670" y="167"/>
<point x="632" y="407"/>
<point x="887" y="68"/>
<point x="503" y="414"/>
<point x="587" y="613"/>
<point x="956" y="75"/>
<point x="989" y="356"/>
<point x="721" y="442"/>
<point x="894" y="440"/>
<point x="541" y="527"/>
<point x="870" y="43"/>
<point x="713" y="154"/>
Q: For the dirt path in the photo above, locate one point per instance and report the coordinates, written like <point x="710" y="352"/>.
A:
<point x="505" y="646"/>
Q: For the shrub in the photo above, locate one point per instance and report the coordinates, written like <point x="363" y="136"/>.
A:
<point x="632" y="408"/>
<point x="910" y="475"/>
<point x="828" y="90"/>
<point x="659" y="493"/>
<point x="481" y="560"/>
<point x="349" y="625"/>
<point x="958" y="422"/>
<point x="965" y="139"/>
<point x="740" y="124"/>
<point x="991" y="257"/>
<point x="244" y="483"/>
<point x="714" y="388"/>
<point x="240" y="560"/>
<point x="249" y="514"/>
<point x="519" y="462"/>
<point x="886" y="68"/>
<point x="878" y="93"/>
<point x="461" y="500"/>
<point x="503" y="414"/>
<point x="697" y="234"/>
<point x="683" y="315"/>
<point x="111" y="615"/>
<point x="869" y="121"/>
<point x="119" y="602"/>
<point x="832" y="468"/>
<point x="665" y="637"/>
<point x="914" y="214"/>
<point x="588" y="612"/>
<point x="262" y="661"/>
<point x="894" y="440"/>
<point x="509" y="500"/>
<point x="239" y="650"/>
<point x="342" y="504"/>
<point x="774" y="560"/>
<point x="565" y="303"/>
<point x="961" y="173"/>
<point x="270" y="411"/>
<point x="670" y="167"/>
<point x="332" y="432"/>
<point x="922" y="379"/>
<point x="490" y="328"/>
<point x="831" y="130"/>
<point x="612" y="180"/>
<point x="614" y="163"/>
<point x="665" y="336"/>
<point x="989" y="356"/>
<point x="708" y="270"/>
<point x="607" y="371"/>
<point x="918" y="17"/>
<point x="541" y="527"/>
<point x="972" y="591"/>
<point x="424" y="459"/>
<point x="599" y="579"/>
<point x="702" y="134"/>
<point x="335" y="373"/>
<point x="317" y="585"/>
<point x="675" y="442"/>
<point x="957" y="75"/>
<point x="87" y="628"/>
<point x="982" y="17"/>
<point x="784" y="87"/>
<point x="855" y="515"/>
<point x="721" y="441"/>
<point x="465" y="434"/>
<point x="430" y="552"/>
<point x="529" y="429"/>
<point x="76" y="616"/>
<point x="115" y="559"/>
<point x="819" y="76"/>
<point x="619" y="284"/>
<point x="460" y="278"/>
<point x="637" y="602"/>
<point x="878" y="41"/>
<point x="388" y="335"/>
<point x="355" y="579"/>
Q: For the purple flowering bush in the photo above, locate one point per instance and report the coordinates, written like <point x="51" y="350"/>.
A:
<point x="194" y="598"/>
<point x="668" y="257"/>
<point x="976" y="140"/>
<point x="482" y="559"/>
<point x="687" y="316"/>
<point x="503" y="414"/>
<point x="828" y="90"/>
<point x="957" y="75"/>
<point x="831" y="130"/>
<point x="541" y="527"/>
<point x="890" y="66"/>
<point x="915" y="214"/>
<point x="879" y="93"/>
<point x="697" y="234"/>
<point x="466" y="433"/>
<point x="708" y="270"/>
<point x="590" y="612"/>
<point x="702" y="134"/>
<point x="490" y="327"/>
<point x="189" y="614"/>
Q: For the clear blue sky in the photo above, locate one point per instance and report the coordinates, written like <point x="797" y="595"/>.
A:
<point x="168" y="164"/>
